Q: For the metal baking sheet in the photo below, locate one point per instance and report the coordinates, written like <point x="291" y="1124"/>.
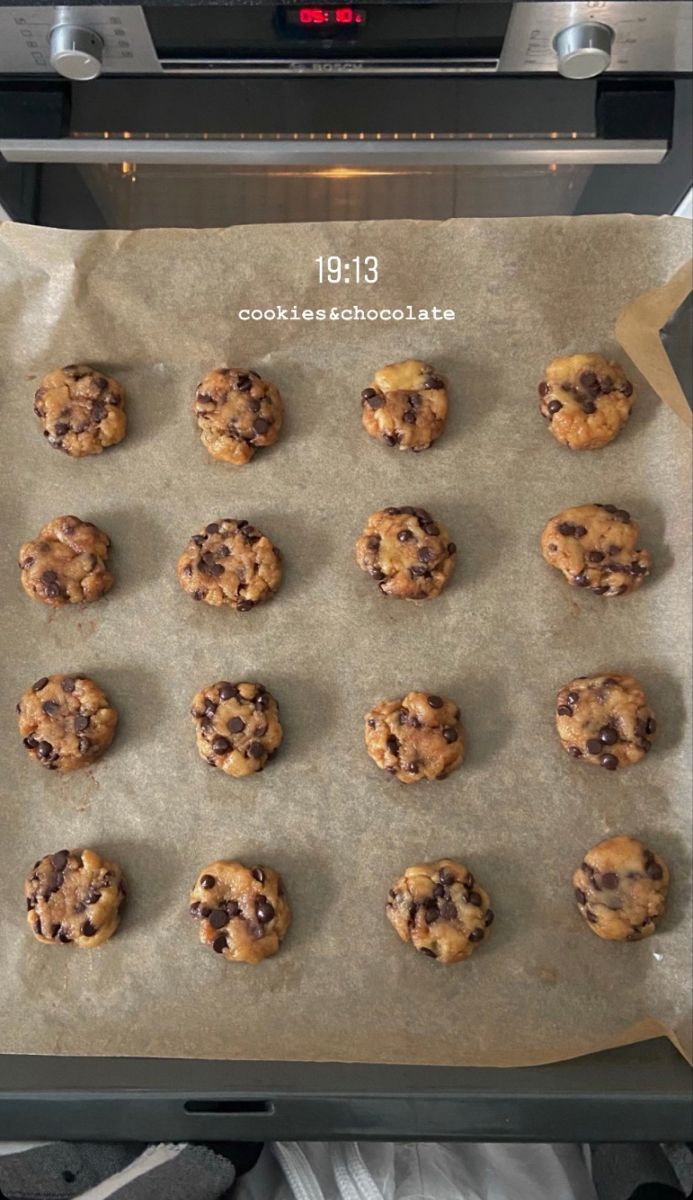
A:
<point x="157" y="309"/>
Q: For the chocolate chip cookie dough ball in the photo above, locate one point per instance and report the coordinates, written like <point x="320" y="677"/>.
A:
<point x="597" y="546"/>
<point x="441" y="909"/>
<point x="66" y="722"/>
<point x="417" y="737"/>
<point x="237" y="727"/>
<point x="242" y="911"/>
<point x="66" y="563"/>
<point x="237" y="411"/>
<point x="621" y="889"/>
<point x="82" y="411"/>
<point x="586" y="400"/>
<point x="406" y="405"/>
<point x="230" y="562"/>
<point x="605" y="720"/>
<point x="74" y="897"/>
<point x="407" y="552"/>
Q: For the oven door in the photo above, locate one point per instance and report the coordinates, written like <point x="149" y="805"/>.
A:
<point x="196" y="151"/>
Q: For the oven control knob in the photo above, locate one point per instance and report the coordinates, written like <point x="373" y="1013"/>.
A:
<point x="76" y="52"/>
<point x="583" y="50"/>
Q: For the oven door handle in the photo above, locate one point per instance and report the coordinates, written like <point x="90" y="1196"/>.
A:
<point x="324" y="152"/>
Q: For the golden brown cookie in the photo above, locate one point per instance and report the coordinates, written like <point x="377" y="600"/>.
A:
<point x="74" y="896"/>
<point x="66" y="563"/>
<point x="66" y="722"/>
<point x="81" y="410"/>
<point x="237" y="727"/>
<point x="621" y="889"/>
<point x="597" y="546"/>
<point x="237" y="411"/>
<point x="586" y="400"/>
<point x="440" y="909"/>
<point x="406" y="405"/>
<point x="230" y="562"/>
<point x="407" y="552"/>
<point x="605" y="720"/>
<point x="417" y="737"/>
<point x="242" y="911"/>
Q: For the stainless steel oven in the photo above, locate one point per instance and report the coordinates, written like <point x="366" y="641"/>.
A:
<point x="186" y="114"/>
<point x="207" y="115"/>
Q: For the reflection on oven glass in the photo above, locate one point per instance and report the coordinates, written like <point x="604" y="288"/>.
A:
<point x="134" y="196"/>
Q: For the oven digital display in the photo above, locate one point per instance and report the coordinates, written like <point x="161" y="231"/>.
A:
<point x="328" y="19"/>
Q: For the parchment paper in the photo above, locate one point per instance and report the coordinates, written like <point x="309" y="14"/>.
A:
<point x="157" y="309"/>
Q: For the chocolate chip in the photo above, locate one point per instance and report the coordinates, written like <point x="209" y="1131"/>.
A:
<point x="213" y="528"/>
<point x="476" y="935"/>
<point x="594" y="556"/>
<point x="88" y="929"/>
<point x="435" y="701"/>
<point x="40" y="684"/>
<point x="475" y="899"/>
<point x="654" y="871"/>
<point x="579" y="531"/>
<point x="581" y="580"/>
<point x="609" y="761"/>
<point x="218" y="918"/>
<point x="490" y="917"/>
<point x="589" y="407"/>
<point x="30" y="742"/>
<point x="450" y="734"/>
<point x="220" y="745"/>
<point x="262" y="702"/>
<point x="425" y="554"/>
<point x="391" y="438"/>
<point x="259" y="874"/>
<point x="431" y="529"/>
<point x="59" y="860"/>
<point x="81" y="722"/>
<point x="622" y="515"/>
<point x="243" y="383"/>
<point x="255" y="750"/>
<point x="575" y="751"/>
<point x="543" y="388"/>
<point x="373" y="542"/>
<point x="50" y="707"/>
<point x="412" y="768"/>
<point x="254" y="405"/>
<point x="425" y="950"/>
<point x="261" y="425"/>
<point x="609" y="881"/>
<point x="227" y="691"/>
<point x="264" y="910"/>
<point x="44" y="749"/>
<point x="431" y="915"/>
<point x="627" y="388"/>
<point x="580" y="896"/>
<point x="606" y="384"/>
<point x="566" y="529"/>
<point x="233" y="908"/>
<point x="452" y="548"/>
<point x="392" y="744"/>
<point x="199" y="538"/>
<point x="651" y="726"/>
<point x="572" y="697"/>
<point x="564" y="710"/>
<point x="372" y="398"/>
<point x="554" y="406"/>
<point x="207" y="882"/>
<point x="608" y="735"/>
<point x="236" y="725"/>
<point x="446" y="876"/>
<point x="591" y="916"/>
<point x="219" y="944"/>
<point x="594" y="746"/>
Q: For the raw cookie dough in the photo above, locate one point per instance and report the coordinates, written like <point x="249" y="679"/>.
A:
<point x="81" y="410"/>
<point x="440" y="909"/>
<point x="66" y="563"/>
<point x="66" y="722"/>
<point x="605" y="720"/>
<point x="621" y="889"/>
<point x="586" y="400"/>
<point x="230" y="562"/>
<point x="237" y="410"/>
<point x="74" y="896"/>
<point x="406" y="405"/>
<point x="597" y="546"/>
<point x="408" y="553"/>
<point x="242" y="911"/>
<point x="418" y="737"/>
<point x="236" y="726"/>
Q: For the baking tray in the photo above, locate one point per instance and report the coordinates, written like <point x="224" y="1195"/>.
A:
<point x="635" y="1093"/>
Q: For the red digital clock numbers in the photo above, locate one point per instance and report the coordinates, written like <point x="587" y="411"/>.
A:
<point x="330" y="16"/>
<point x="309" y="17"/>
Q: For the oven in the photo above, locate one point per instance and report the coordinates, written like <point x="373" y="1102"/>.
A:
<point x="212" y="115"/>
